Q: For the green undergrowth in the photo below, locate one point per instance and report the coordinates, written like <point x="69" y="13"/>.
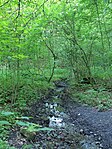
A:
<point x="4" y="145"/>
<point x="9" y="120"/>
<point x="17" y="93"/>
<point x="101" y="73"/>
<point x="15" y="90"/>
<point x="99" y="97"/>
<point x="15" y="96"/>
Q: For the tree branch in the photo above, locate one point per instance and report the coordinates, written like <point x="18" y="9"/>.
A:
<point x="54" y="57"/>
<point x="5" y="3"/>
<point x="19" y="8"/>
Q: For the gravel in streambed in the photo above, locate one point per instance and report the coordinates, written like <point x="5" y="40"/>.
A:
<point x="49" y="112"/>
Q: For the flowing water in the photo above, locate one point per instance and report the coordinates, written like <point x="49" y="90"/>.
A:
<point x="52" y="113"/>
<point x="59" y="120"/>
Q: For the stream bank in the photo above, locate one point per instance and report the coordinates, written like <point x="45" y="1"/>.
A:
<point x="71" y="123"/>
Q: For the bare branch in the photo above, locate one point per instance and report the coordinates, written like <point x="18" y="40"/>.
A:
<point x="19" y="8"/>
<point x="54" y="57"/>
<point x="5" y="3"/>
<point x="33" y="17"/>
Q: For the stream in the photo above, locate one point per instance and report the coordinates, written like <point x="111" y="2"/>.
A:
<point x="61" y="119"/>
<point x="56" y="111"/>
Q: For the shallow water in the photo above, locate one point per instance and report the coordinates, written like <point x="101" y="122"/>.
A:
<point x="52" y="113"/>
<point x="59" y="120"/>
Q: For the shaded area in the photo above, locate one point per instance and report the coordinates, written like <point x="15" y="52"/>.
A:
<point x="92" y="122"/>
<point x="48" y="112"/>
<point x="75" y="125"/>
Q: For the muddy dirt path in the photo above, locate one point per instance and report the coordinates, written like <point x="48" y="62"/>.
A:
<point x="75" y="126"/>
<point x="93" y="123"/>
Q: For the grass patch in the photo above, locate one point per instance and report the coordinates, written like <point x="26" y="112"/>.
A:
<point x="4" y="145"/>
<point x="85" y="94"/>
<point x="60" y="73"/>
<point x="16" y="93"/>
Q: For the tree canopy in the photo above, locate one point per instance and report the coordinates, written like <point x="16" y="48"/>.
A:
<point x="42" y="41"/>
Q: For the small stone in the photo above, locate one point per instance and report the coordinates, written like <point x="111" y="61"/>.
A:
<point x="87" y="136"/>
<point x="55" y="105"/>
<point x="95" y="135"/>
<point x="101" y="146"/>
<point x="51" y="106"/>
<point x="81" y="131"/>
<point x="48" y="138"/>
<point x="97" y="143"/>
<point x="46" y="104"/>
<point x="91" y="132"/>
<point x="79" y="114"/>
<point x="99" y="138"/>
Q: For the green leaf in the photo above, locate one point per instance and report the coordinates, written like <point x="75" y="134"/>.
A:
<point x="28" y="124"/>
<point x="110" y="6"/>
<point x="23" y="123"/>
<point x="7" y="113"/>
<point x="25" y="117"/>
<point x="4" y="123"/>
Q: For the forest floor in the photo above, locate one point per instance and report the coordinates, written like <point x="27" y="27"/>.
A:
<point x="75" y="126"/>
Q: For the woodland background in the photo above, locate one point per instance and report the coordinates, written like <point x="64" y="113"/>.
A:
<point x="47" y="40"/>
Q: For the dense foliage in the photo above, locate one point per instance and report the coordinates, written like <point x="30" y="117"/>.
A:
<point x="46" y="40"/>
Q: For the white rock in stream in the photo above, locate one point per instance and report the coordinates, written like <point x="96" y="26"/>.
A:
<point x="55" y="104"/>
<point x="56" y="122"/>
<point x="47" y="105"/>
<point x="51" y="106"/>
